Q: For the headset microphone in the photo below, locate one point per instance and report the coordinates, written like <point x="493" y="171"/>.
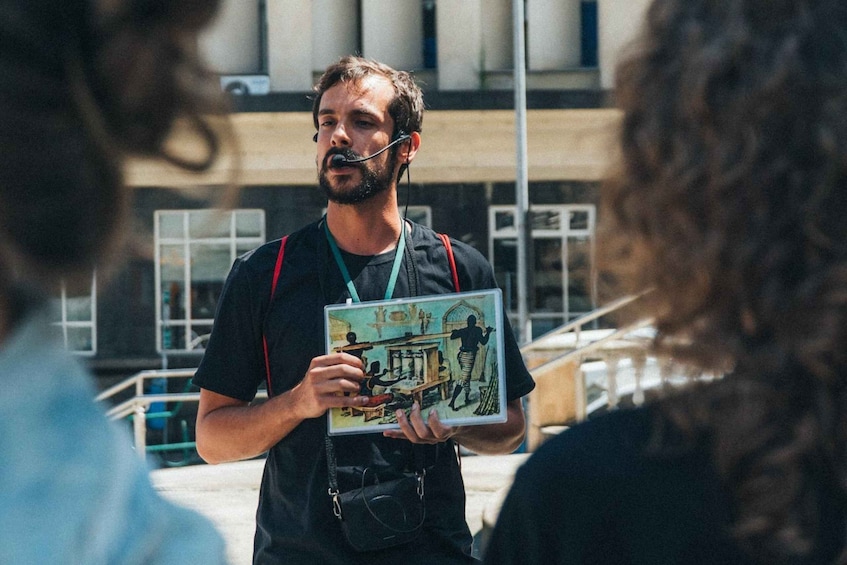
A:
<point x="339" y="160"/>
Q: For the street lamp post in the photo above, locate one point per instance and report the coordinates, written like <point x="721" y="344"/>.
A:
<point x="521" y="182"/>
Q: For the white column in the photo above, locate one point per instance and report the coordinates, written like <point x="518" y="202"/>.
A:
<point x="459" y="44"/>
<point x="139" y="425"/>
<point x="496" y="24"/>
<point x="289" y="45"/>
<point x="553" y="34"/>
<point x="639" y="361"/>
<point x="580" y="393"/>
<point x="665" y="372"/>
<point x="231" y="44"/>
<point x="612" y="362"/>
<point x="473" y="36"/>
<point x="335" y="32"/>
<point x="618" y="23"/>
<point x="392" y="32"/>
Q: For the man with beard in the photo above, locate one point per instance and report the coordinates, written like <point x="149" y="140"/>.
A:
<point x="270" y="326"/>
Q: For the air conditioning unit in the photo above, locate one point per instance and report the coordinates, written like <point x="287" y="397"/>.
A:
<point x="246" y="84"/>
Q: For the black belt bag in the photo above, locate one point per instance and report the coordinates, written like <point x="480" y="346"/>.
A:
<point x="378" y="514"/>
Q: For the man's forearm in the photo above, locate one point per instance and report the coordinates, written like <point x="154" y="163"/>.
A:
<point x="493" y="439"/>
<point x="239" y="431"/>
<point x="228" y="429"/>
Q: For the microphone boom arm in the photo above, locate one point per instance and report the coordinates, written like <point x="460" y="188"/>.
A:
<point x="339" y="160"/>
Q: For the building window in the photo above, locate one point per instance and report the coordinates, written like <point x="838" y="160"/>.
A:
<point x="561" y="277"/>
<point x="194" y="253"/>
<point x="588" y="24"/>
<point x="76" y="316"/>
<point x="430" y="53"/>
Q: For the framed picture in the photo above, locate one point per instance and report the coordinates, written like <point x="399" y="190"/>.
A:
<point x="444" y="352"/>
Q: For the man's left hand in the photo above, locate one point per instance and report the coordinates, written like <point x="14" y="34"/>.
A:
<point x="415" y="429"/>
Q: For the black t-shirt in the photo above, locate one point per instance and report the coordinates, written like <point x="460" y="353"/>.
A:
<point x="598" y="493"/>
<point x="294" y="521"/>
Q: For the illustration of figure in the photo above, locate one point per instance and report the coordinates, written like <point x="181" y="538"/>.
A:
<point x="374" y="383"/>
<point x="472" y="337"/>
<point x="443" y="368"/>
<point x="425" y="318"/>
<point x="352" y="340"/>
<point x="355" y="348"/>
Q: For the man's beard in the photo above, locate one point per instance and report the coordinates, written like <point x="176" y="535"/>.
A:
<point x="373" y="182"/>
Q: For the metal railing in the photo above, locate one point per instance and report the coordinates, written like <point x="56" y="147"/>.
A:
<point x="610" y="349"/>
<point x="575" y="327"/>
<point x="557" y="358"/>
<point x="139" y="404"/>
<point x="608" y="365"/>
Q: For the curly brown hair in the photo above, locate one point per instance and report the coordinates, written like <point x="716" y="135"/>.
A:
<point x="730" y="204"/>
<point x="83" y="85"/>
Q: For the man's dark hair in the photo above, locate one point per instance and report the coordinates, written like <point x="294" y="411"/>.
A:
<point x="407" y="107"/>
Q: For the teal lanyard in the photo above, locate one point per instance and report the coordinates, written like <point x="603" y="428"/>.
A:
<point x="395" y="269"/>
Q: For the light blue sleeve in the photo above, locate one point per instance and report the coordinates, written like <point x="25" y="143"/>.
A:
<point x="71" y="488"/>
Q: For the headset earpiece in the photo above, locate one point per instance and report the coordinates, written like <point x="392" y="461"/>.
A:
<point x="403" y="136"/>
<point x="315" y="138"/>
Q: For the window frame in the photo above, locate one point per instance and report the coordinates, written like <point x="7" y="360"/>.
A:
<point x="564" y="233"/>
<point x="187" y="241"/>
<point x="61" y="302"/>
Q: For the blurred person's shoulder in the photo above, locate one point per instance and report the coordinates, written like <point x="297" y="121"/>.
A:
<point x="602" y="444"/>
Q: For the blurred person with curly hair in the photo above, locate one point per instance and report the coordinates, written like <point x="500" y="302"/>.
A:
<point x="730" y="203"/>
<point x="83" y="86"/>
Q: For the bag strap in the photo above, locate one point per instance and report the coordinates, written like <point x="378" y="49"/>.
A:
<point x="445" y="239"/>
<point x="277" y="268"/>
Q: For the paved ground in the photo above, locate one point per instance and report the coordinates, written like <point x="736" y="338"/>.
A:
<point x="227" y="494"/>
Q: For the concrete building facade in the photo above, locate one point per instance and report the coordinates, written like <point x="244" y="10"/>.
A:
<point x="159" y="309"/>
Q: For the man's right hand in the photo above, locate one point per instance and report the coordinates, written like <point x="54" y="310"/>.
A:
<point x="229" y="429"/>
<point x="332" y="381"/>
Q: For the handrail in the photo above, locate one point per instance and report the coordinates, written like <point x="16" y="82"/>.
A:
<point x="138" y="380"/>
<point x="562" y="391"/>
<point x="127" y="407"/>
<point x="568" y="344"/>
<point x="138" y="405"/>
<point x="596" y="344"/>
<point x="575" y="326"/>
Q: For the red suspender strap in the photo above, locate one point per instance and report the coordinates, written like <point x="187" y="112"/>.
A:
<point x="446" y="240"/>
<point x="452" y="260"/>
<point x="277" y="269"/>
